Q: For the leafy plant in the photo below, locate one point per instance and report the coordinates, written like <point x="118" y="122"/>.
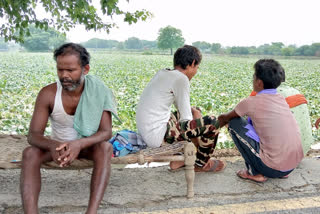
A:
<point x="220" y="84"/>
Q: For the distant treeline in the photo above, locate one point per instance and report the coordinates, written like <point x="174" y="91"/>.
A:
<point x="275" y="48"/>
<point x="47" y="41"/>
<point x="131" y="43"/>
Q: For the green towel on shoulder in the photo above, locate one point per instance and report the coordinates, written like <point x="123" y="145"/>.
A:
<point x="95" y="99"/>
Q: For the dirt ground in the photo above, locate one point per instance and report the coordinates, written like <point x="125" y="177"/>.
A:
<point x="136" y="189"/>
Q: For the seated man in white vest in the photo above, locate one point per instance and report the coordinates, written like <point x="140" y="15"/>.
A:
<point x="79" y="107"/>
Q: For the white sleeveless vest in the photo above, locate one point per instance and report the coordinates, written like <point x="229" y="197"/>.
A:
<point x="61" y="122"/>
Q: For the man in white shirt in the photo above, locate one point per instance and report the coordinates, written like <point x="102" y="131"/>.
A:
<point x="155" y="122"/>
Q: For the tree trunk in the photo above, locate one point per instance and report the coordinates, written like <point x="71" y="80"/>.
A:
<point x="171" y="50"/>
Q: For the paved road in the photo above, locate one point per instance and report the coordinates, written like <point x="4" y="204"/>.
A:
<point x="156" y="190"/>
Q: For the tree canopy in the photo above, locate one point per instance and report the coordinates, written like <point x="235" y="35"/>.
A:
<point x="41" y="40"/>
<point x="64" y="14"/>
<point x="203" y="46"/>
<point x="100" y="43"/>
<point x="170" y="37"/>
<point x="215" y="47"/>
<point x="133" y="43"/>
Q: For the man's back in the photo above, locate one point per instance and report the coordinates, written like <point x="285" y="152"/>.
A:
<point x="279" y="134"/>
<point x="301" y="114"/>
<point x="167" y="87"/>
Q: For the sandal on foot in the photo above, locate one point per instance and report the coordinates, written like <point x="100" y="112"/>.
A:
<point x="284" y="177"/>
<point x="212" y="166"/>
<point x="244" y="174"/>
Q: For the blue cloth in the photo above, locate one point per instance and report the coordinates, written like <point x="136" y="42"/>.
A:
<point x="124" y="152"/>
<point x="268" y="91"/>
<point x="126" y="142"/>
<point x="251" y="131"/>
<point x="119" y="146"/>
<point x="95" y="99"/>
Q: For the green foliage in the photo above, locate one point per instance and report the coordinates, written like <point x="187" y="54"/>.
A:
<point x="316" y="49"/>
<point x="215" y="47"/>
<point x="3" y="44"/>
<point x="21" y="77"/>
<point x="100" y="43"/>
<point x="264" y="50"/>
<point x="252" y="50"/>
<point x="147" y="53"/>
<point x="288" y="51"/>
<point x="221" y="82"/>
<point x="149" y="44"/>
<point x="41" y="40"/>
<point x="239" y="50"/>
<point x="133" y="43"/>
<point x="63" y="15"/>
<point x="305" y="50"/>
<point x="227" y="144"/>
<point x="120" y="46"/>
<point x="203" y="46"/>
<point x="275" y="49"/>
<point x="170" y="37"/>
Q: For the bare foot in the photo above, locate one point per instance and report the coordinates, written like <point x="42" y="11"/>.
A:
<point x="212" y="166"/>
<point x="176" y="164"/>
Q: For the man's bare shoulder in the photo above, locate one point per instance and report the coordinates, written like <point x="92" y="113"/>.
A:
<point x="49" y="89"/>
<point x="47" y="94"/>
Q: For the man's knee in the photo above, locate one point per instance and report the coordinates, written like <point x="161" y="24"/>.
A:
<point x="108" y="148"/>
<point x="31" y="153"/>
<point x="103" y="149"/>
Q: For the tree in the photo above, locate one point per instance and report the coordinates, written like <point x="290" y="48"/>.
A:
<point x="304" y="50"/>
<point x="202" y="45"/>
<point x="63" y="15"/>
<point x="120" y="46"/>
<point x="264" y="49"/>
<point x="252" y="50"/>
<point x="316" y="49"/>
<point x="239" y="50"/>
<point x="275" y="48"/>
<point x="40" y="40"/>
<point x="215" y="47"/>
<point x="149" y="44"/>
<point x="287" y="51"/>
<point x="100" y="43"/>
<point x="277" y="44"/>
<point x="170" y="37"/>
<point x="133" y="43"/>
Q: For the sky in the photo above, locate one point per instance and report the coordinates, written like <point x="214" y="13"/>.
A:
<point x="228" y="22"/>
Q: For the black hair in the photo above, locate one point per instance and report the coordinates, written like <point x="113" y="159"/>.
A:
<point x="185" y="56"/>
<point x="73" y="49"/>
<point x="270" y="72"/>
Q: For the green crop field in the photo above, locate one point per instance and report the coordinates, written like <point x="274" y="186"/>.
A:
<point x="221" y="82"/>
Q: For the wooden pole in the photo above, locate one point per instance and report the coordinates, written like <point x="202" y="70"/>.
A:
<point x="189" y="161"/>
